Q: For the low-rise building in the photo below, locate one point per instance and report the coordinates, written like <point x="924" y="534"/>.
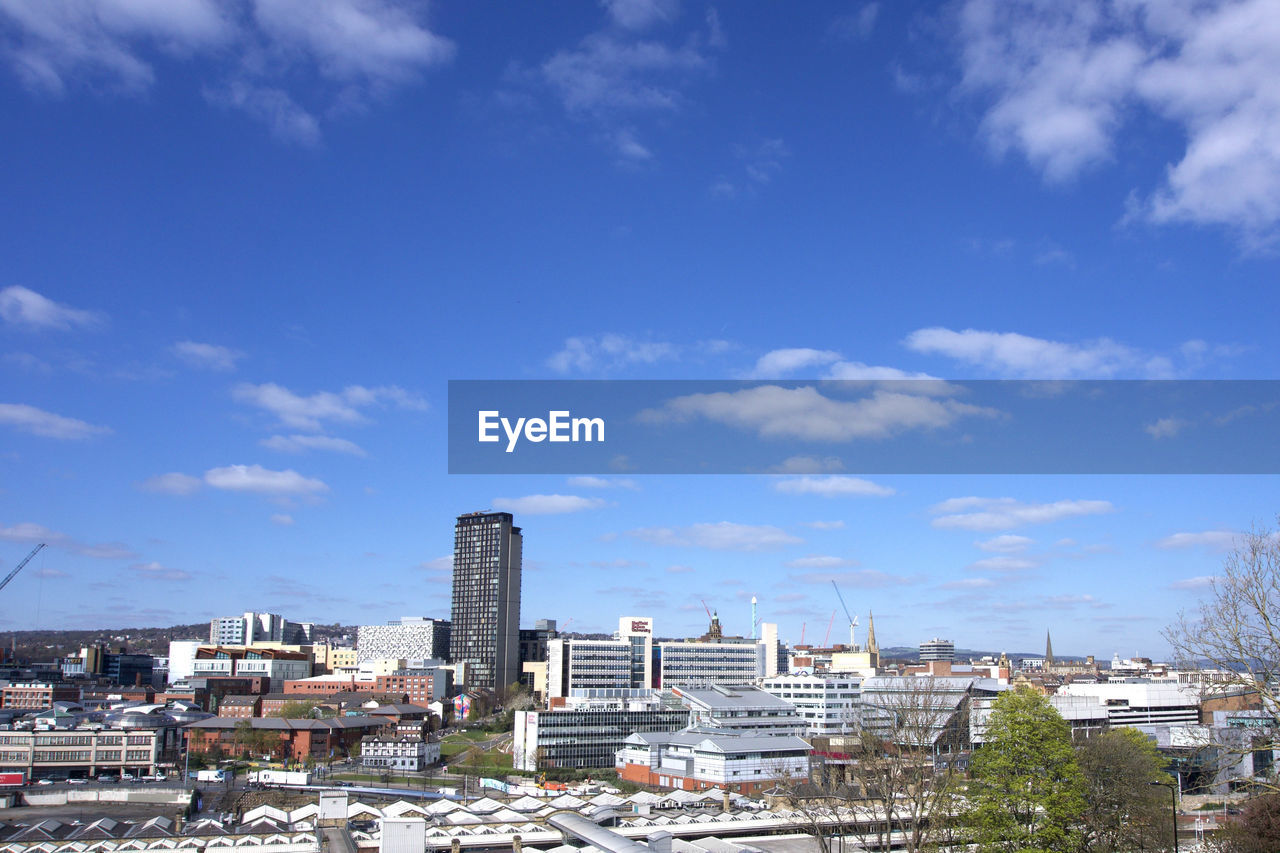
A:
<point x="276" y="665"/>
<point x="827" y="704"/>
<point x="590" y="733"/>
<point x="37" y="695"/>
<point x="697" y="759"/>
<point x="297" y="740"/>
<point x="398" y="753"/>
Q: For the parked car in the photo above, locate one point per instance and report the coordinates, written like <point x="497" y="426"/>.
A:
<point x="127" y="777"/>
<point x="44" y="781"/>
<point x="77" y="781"/>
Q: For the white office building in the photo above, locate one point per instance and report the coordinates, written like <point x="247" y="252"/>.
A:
<point x="828" y="705"/>
<point x="1141" y="703"/>
<point x="407" y="638"/>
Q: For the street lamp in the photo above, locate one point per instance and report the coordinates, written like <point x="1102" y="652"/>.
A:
<point x="1173" y="800"/>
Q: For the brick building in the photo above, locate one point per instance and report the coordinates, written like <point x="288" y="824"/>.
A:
<point x="37" y="695"/>
<point x="297" y="740"/>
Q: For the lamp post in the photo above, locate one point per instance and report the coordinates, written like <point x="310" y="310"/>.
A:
<point x="1173" y="805"/>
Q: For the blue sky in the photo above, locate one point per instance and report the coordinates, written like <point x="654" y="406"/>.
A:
<point x="246" y="244"/>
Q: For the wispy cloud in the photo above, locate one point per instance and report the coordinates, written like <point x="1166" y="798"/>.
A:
<point x="603" y="483"/>
<point x="23" y="307"/>
<point x="312" y="411"/>
<point x="821" y="561"/>
<point x="30" y="533"/>
<point x="302" y="443"/>
<point x="776" y="412"/>
<point x="154" y="571"/>
<point x="265" y="57"/>
<point x="993" y="514"/>
<point x="1006" y="544"/>
<point x="1196" y="583"/>
<point x="609" y="352"/>
<point x="860" y="579"/>
<point x="779" y="363"/>
<point x="720" y="536"/>
<point x="1165" y="427"/>
<point x="548" y="504"/>
<point x="832" y="487"/>
<point x="173" y="483"/>
<point x="35" y="421"/>
<point x="1004" y="564"/>
<point x="207" y="356"/>
<point x="283" y="519"/>
<point x="1058" y="83"/>
<point x="1009" y="354"/>
<point x="855" y="26"/>
<point x="808" y="465"/>
<point x="1215" y="540"/>
<point x="825" y="525"/>
<point x="263" y="481"/>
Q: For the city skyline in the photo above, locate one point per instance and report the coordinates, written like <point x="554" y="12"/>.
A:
<point x="242" y="258"/>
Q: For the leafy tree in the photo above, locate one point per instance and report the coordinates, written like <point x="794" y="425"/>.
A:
<point x="1128" y="805"/>
<point x="298" y="710"/>
<point x="1028" y="793"/>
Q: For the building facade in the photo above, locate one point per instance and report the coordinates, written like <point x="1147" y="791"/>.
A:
<point x="587" y="736"/>
<point x="410" y="638"/>
<point x="828" y="705"/>
<point x="398" y="753"/>
<point x="485" y="635"/>
<point x="937" y="649"/>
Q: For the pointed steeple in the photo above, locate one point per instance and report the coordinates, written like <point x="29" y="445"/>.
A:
<point x="1048" y="651"/>
<point x="872" y="646"/>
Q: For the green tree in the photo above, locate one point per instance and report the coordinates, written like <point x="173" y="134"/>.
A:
<point x="1256" y="830"/>
<point x="299" y="710"/>
<point x="1128" y="801"/>
<point x="1027" y="792"/>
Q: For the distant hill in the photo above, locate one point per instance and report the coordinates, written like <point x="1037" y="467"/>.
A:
<point x="47" y="645"/>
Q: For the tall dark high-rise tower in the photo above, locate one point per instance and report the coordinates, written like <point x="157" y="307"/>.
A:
<point x="486" y="599"/>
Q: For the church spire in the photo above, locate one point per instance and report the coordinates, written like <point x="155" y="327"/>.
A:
<point x="871" y="634"/>
<point x="1048" y="651"/>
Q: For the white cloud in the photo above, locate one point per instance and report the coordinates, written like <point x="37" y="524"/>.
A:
<point x="1003" y="564"/>
<point x="606" y="75"/>
<point x="263" y="481"/>
<point x="861" y="579"/>
<point x="154" y="571"/>
<point x="1006" y="544"/>
<point x="173" y="483"/>
<point x="679" y="570"/>
<point x="258" y="55"/>
<point x="720" y="536"/>
<point x="832" y="487"/>
<point x="603" y="483"/>
<point x="825" y="525"/>
<point x="607" y="352"/>
<point x="438" y="564"/>
<point x="808" y="465"/>
<point x="775" y="412"/>
<point x="821" y="561"/>
<point x="1059" y="81"/>
<point x="301" y="443"/>
<point x="783" y="362"/>
<point x="992" y="514"/>
<point x="30" y="533"/>
<point x="1218" y="540"/>
<point x="46" y="424"/>
<point x="1196" y="583"/>
<point x="310" y="412"/>
<point x="1165" y="427"/>
<point x="1021" y="356"/>
<point x="547" y="504"/>
<point x="23" y="307"/>
<point x="207" y="356"/>
<point x="855" y="26"/>
<point x="282" y="518"/>
<point x="969" y="583"/>
<point x="641" y="14"/>
<point x="630" y="149"/>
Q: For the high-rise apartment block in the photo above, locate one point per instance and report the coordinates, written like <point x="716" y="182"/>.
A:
<point x="485" y="635"/>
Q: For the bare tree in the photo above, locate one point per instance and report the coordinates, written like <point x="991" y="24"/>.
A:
<point x="1235" y="633"/>
<point x="894" y="776"/>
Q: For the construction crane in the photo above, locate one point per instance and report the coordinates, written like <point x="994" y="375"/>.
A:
<point x="827" y="638"/>
<point x="13" y="574"/>
<point x="853" y="620"/>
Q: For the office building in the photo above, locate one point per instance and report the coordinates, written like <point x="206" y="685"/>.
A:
<point x="251" y="627"/>
<point x="592" y="729"/>
<point x="624" y="662"/>
<point x="408" y="638"/>
<point x="828" y="704"/>
<point x="936" y="649"/>
<point x="486" y="599"/>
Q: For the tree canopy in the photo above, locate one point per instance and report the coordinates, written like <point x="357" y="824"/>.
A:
<point x="1028" y="793"/>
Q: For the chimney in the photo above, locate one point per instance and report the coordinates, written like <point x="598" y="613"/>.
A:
<point x="659" y="842"/>
<point x="455" y="846"/>
<point x="728" y="803"/>
<point x="516" y="844"/>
